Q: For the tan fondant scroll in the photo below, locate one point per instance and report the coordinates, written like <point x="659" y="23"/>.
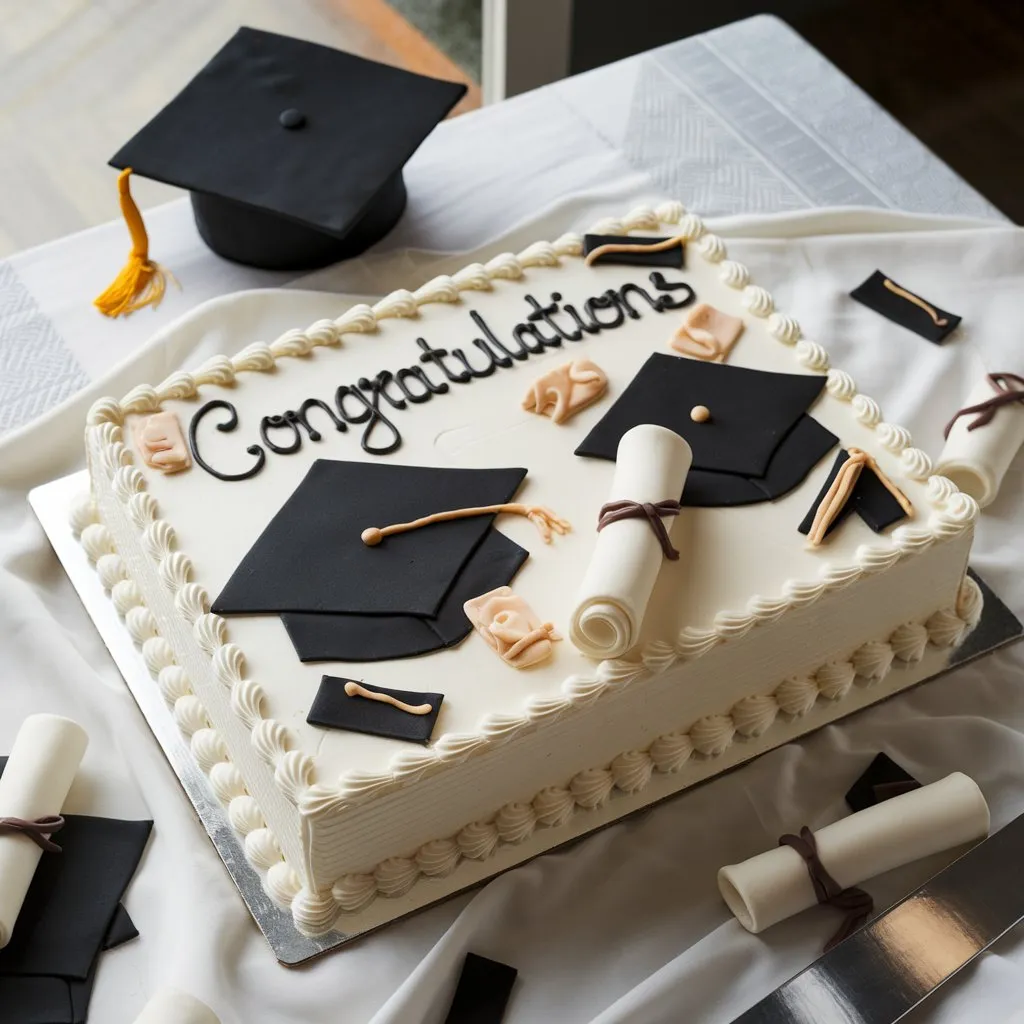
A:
<point x="161" y="443"/>
<point x="353" y="689"/>
<point x="543" y="518"/>
<point x="707" y="334"/>
<point x="841" y="490"/>
<point x="510" y="628"/>
<point x="564" y="391"/>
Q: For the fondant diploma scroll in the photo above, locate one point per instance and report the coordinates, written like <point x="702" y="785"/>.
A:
<point x="775" y="885"/>
<point x="984" y="436"/>
<point x="650" y="469"/>
<point x="511" y="628"/>
<point x="46" y="754"/>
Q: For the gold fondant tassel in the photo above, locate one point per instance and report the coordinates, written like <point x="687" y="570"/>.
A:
<point x="544" y="519"/>
<point x="141" y="281"/>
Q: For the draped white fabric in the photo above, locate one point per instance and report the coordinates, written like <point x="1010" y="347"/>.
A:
<point x="627" y="925"/>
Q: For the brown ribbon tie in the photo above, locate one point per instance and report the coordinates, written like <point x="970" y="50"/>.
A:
<point x="1005" y="395"/>
<point x="653" y="512"/>
<point x="39" y="831"/>
<point x="856" y="903"/>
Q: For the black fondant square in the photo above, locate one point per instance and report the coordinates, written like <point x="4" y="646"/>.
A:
<point x="483" y="991"/>
<point x="880" y="781"/>
<point x="752" y="412"/>
<point x="120" y="930"/>
<point x="311" y="557"/>
<point x="871" y="500"/>
<point x="333" y="708"/>
<point x="73" y="898"/>
<point x="673" y="257"/>
<point x="361" y="638"/>
<point x="905" y="308"/>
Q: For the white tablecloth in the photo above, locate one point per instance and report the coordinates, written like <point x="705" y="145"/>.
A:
<point x="627" y="926"/>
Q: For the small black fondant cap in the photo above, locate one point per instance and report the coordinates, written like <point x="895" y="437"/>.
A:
<point x="293" y="152"/>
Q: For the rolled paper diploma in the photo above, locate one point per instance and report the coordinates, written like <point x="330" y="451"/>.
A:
<point x="169" y="1006"/>
<point x="775" y="885"/>
<point x="977" y="460"/>
<point x="46" y="754"/>
<point x="650" y="466"/>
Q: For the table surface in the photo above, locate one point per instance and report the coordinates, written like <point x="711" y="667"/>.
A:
<point x="747" y="118"/>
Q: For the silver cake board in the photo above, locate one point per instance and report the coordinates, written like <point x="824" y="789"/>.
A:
<point x="52" y="503"/>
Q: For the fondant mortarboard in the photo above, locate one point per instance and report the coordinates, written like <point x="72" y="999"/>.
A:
<point x="904" y="307"/>
<point x="751" y="437"/>
<point x="343" y="600"/>
<point x="292" y="151"/>
<point x="71" y="914"/>
<point x="881" y="780"/>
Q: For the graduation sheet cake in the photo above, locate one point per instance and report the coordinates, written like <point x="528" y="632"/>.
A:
<point x="445" y="582"/>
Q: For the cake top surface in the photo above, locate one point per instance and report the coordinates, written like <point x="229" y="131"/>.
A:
<point x="739" y="565"/>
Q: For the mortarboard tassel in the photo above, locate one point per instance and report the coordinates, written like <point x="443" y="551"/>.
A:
<point x="141" y="281"/>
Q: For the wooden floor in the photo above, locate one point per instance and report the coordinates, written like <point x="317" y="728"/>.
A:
<point x="79" y="77"/>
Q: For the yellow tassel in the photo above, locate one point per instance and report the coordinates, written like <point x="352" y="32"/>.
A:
<point x="141" y="281"/>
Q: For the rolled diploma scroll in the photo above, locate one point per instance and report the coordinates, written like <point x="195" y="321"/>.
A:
<point x="977" y="460"/>
<point x="46" y="754"/>
<point x="650" y="465"/>
<point x="170" y="1006"/>
<point x="775" y="885"/>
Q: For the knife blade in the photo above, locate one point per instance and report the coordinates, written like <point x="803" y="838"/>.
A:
<point x="880" y="973"/>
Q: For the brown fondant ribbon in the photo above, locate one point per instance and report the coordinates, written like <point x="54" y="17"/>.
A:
<point x="1005" y="395"/>
<point x="39" y="831"/>
<point x="856" y="903"/>
<point x="653" y="512"/>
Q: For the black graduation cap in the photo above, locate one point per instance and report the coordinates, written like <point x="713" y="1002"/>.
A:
<point x="71" y="913"/>
<point x="906" y="308"/>
<point x="881" y="780"/>
<point x="870" y="499"/>
<point x="292" y="151"/>
<point x="757" y="442"/>
<point x="401" y="715"/>
<point x="341" y="600"/>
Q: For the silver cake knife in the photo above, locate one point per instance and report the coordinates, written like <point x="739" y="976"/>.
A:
<point x="883" y="971"/>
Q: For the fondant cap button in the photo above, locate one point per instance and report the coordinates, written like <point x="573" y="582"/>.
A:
<point x="291" y="118"/>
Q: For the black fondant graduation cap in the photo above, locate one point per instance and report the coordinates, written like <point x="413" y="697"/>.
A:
<point x="335" y="708"/>
<point x="71" y="913"/>
<point x="293" y="152"/>
<point x="757" y="444"/>
<point x="870" y="500"/>
<point x="904" y="307"/>
<point x="881" y="780"/>
<point x="342" y="600"/>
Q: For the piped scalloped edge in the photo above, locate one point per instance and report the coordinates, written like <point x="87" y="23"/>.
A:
<point x="953" y="512"/>
<point x="631" y="771"/>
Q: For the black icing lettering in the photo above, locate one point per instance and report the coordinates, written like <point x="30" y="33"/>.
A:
<point x="417" y="373"/>
<point x="592" y="328"/>
<point x="520" y="331"/>
<point x="492" y="364"/>
<point x="634" y="289"/>
<point x="370" y="415"/>
<point x="547" y="314"/>
<point x="288" y="420"/>
<point x="436" y="356"/>
<point x="377" y="389"/>
<point x="493" y="341"/>
<point x="226" y="427"/>
<point x="604" y="302"/>
<point x="666" y="301"/>
<point x="300" y="417"/>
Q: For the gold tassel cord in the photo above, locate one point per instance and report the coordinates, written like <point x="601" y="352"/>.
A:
<point x="615" y="247"/>
<point x="141" y="282"/>
<point x="544" y="519"/>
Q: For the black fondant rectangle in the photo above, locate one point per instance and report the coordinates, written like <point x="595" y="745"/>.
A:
<point x="483" y="991"/>
<point x="876" y="783"/>
<point x="874" y="294"/>
<point x="332" y="708"/>
<point x="674" y="257"/>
